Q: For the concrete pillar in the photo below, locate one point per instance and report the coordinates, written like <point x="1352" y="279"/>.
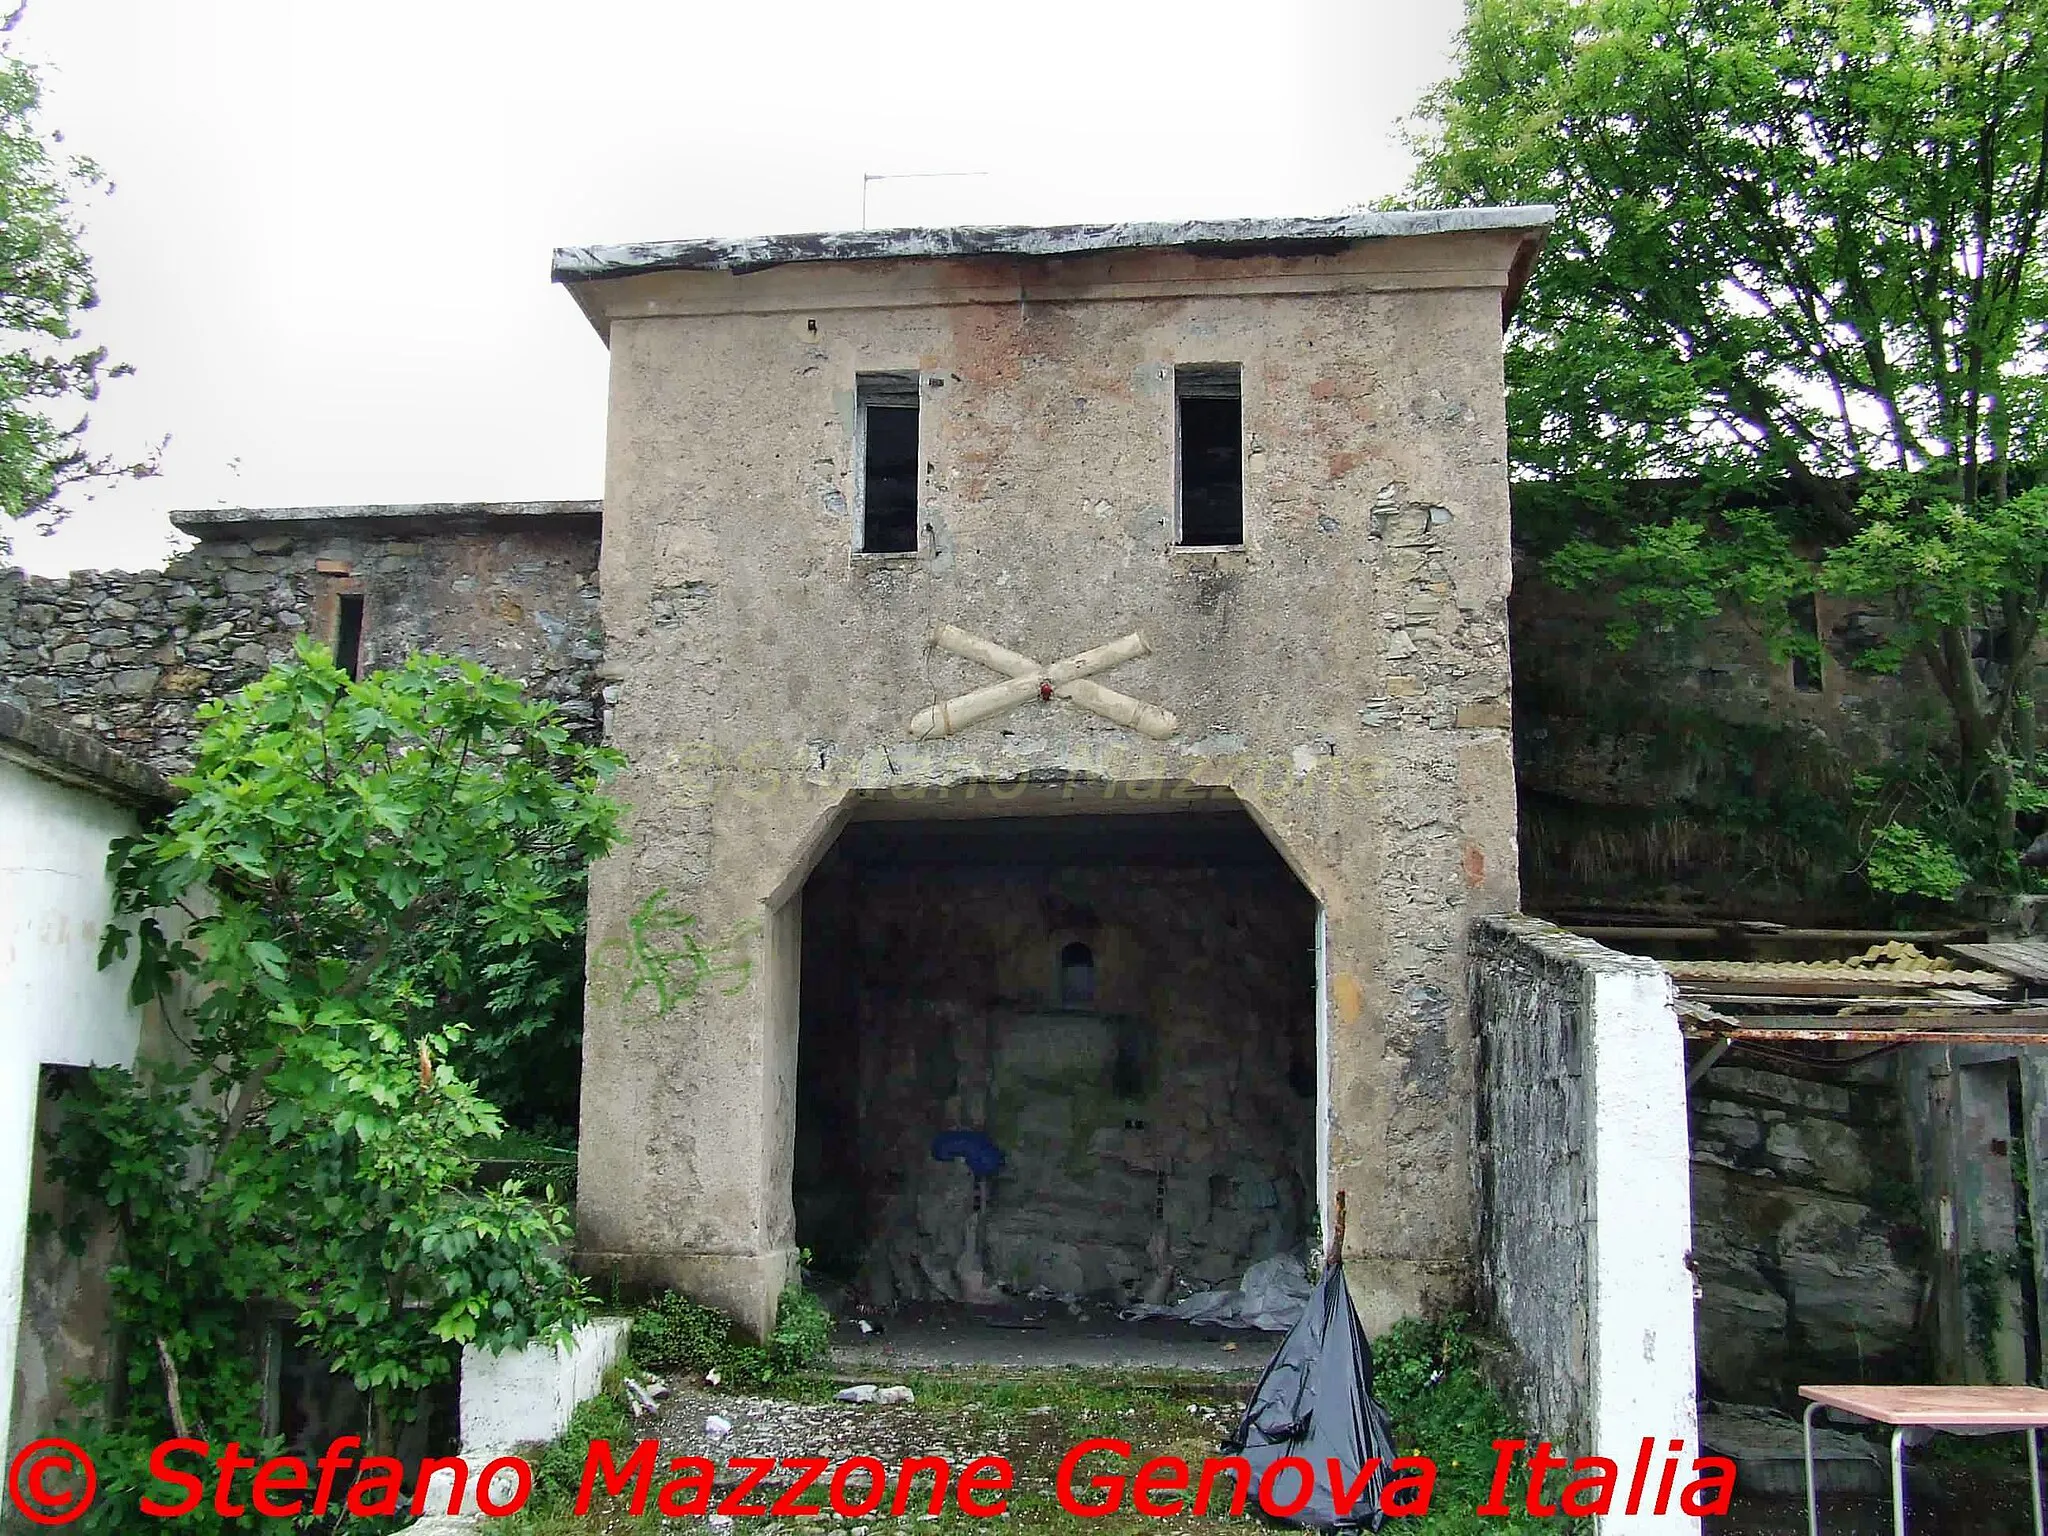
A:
<point x="1988" y="1238"/>
<point x="1586" y="1224"/>
<point x="1640" y="1189"/>
<point x="2034" y="1114"/>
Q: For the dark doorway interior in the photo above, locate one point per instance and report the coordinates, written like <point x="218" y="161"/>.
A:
<point x="1122" y="1006"/>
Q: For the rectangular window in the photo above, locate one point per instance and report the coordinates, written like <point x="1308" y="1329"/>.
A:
<point x="1804" y="615"/>
<point x="1209" y="420"/>
<point x="348" y="633"/>
<point x="888" y="463"/>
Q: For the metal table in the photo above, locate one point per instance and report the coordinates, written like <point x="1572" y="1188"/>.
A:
<point x="1950" y="1410"/>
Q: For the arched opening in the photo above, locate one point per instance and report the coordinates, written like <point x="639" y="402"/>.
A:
<point x="1077" y="976"/>
<point x="1049" y="1048"/>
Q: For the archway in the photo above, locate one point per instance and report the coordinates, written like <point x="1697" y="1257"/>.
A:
<point x="1054" y="1047"/>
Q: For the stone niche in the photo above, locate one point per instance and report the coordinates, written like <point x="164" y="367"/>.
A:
<point x="1124" y="1006"/>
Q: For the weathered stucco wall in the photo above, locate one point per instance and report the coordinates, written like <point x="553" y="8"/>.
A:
<point x="1345" y="674"/>
<point x="1585" y="1226"/>
<point x="130" y="655"/>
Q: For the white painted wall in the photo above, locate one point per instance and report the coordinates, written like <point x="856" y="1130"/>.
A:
<point x="1587" y="1221"/>
<point x="1641" y="1317"/>
<point x="525" y="1396"/>
<point x="56" y="1005"/>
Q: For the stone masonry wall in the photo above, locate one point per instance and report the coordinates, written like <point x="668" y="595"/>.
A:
<point x="131" y="655"/>
<point x="1691" y="769"/>
<point x="1807" y="1232"/>
<point x="1534" y="1201"/>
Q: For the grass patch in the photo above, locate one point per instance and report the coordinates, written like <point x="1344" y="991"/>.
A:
<point x="1428" y="1377"/>
<point x="675" y="1333"/>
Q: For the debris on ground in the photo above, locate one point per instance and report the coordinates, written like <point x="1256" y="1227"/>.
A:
<point x="1270" y="1298"/>
<point x="868" y="1392"/>
<point x="645" y="1397"/>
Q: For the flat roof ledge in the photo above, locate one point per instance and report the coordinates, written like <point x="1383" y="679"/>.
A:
<point x="1221" y="237"/>
<point x="70" y="756"/>
<point x="215" y="523"/>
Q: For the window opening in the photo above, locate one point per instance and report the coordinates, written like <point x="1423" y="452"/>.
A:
<point x="888" y="455"/>
<point x="1209" y="412"/>
<point x="1805" y="618"/>
<point x="348" y="633"/>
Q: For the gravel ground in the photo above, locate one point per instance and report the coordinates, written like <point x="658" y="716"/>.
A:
<point x="763" y="1426"/>
<point x="1028" y="1419"/>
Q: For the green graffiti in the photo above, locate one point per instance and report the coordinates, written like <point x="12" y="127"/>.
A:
<point x="666" y="954"/>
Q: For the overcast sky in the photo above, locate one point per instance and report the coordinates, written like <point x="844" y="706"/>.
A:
<point x="326" y="254"/>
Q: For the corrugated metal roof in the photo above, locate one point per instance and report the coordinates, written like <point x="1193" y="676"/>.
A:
<point x="1932" y="973"/>
<point x="2024" y="958"/>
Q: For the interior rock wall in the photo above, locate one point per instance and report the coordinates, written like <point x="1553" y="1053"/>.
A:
<point x="1162" y="1132"/>
<point x="1808" y="1240"/>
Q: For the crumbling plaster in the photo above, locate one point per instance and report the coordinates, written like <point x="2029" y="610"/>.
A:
<point x="1345" y="674"/>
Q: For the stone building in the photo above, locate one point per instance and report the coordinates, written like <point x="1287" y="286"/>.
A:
<point x="130" y="655"/>
<point x="1158" y="1099"/>
<point x="1064" y="675"/>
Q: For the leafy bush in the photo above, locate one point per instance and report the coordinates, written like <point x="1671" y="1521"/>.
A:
<point x="675" y="1333"/>
<point x="1427" y="1375"/>
<point x="345" y="852"/>
<point x="120" y="1456"/>
<point x="1907" y="862"/>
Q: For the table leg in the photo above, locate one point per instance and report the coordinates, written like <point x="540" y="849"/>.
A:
<point x="1812" y="1500"/>
<point x="2034" y="1474"/>
<point x="1899" y="1481"/>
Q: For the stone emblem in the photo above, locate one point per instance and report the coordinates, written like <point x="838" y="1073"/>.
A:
<point x="1025" y="679"/>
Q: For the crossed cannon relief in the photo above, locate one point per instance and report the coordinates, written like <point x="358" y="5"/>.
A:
<point x="1025" y="680"/>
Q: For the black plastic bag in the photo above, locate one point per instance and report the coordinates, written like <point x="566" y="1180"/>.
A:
<point x="1315" y="1401"/>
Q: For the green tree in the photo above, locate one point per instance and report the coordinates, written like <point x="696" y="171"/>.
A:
<point x="1798" y="247"/>
<point x="348" y="858"/>
<point x="47" y="377"/>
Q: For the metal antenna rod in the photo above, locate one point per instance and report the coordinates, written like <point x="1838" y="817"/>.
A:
<point x="872" y="176"/>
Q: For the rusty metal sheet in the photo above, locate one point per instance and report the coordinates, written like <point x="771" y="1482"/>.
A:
<point x="2026" y="1026"/>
